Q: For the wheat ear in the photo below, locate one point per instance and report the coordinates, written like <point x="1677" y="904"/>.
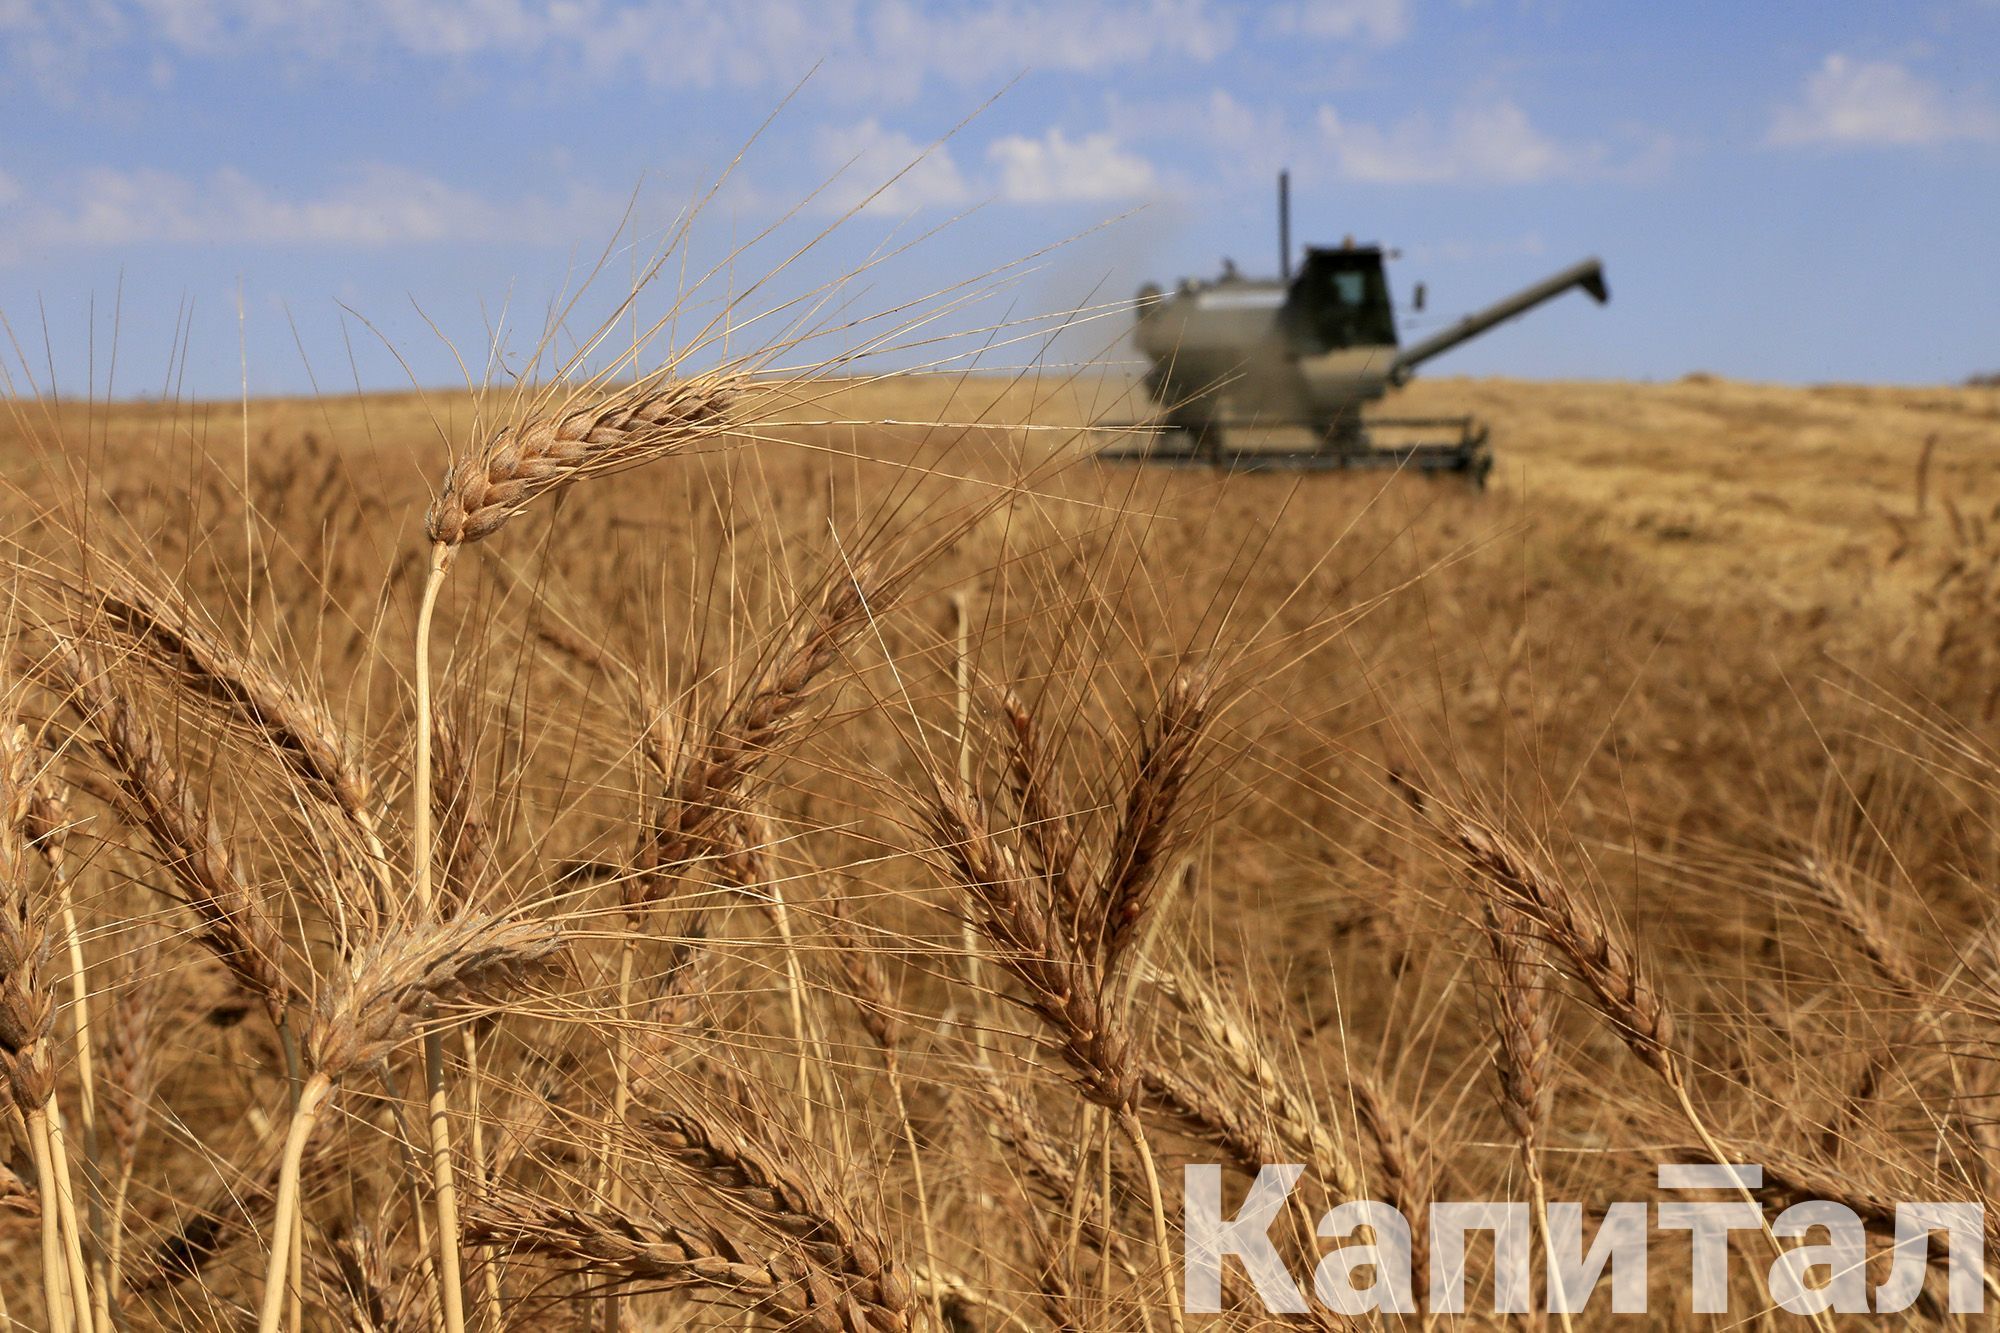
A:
<point x="619" y="1248"/>
<point x="835" y="1250"/>
<point x="1522" y="1058"/>
<point x="1149" y="823"/>
<point x="298" y="727"/>
<point x="1832" y="889"/>
<point x="1609" y="971"/>
<point x="713" y="773"/>
<point x="232" y="920"/>
<point x="652" y="419"/>
<point x="1063" y="983"/>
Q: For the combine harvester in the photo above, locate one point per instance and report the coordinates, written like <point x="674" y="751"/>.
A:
<point x="1235" y="355"/>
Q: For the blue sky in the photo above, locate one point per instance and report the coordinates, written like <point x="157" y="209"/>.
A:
<point x="1781" y="190"/>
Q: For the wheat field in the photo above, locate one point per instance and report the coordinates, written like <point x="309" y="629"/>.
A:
<point x="833" y="855"/>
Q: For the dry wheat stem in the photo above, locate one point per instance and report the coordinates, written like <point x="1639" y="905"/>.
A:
<point x="1135" y="1134"/>
<point x="395" y="982"/>
<point x="46" y="824"/>
<point x="444" y="1185"/>
<point x="868" y="987"/>
<point x="27" y="1028"/>
<point x="460" y="819"/>
<point x="130" y="1077"/>
<point x="305" y="1116"/>
<point x="72" y="1227"/>
<point x="490" y="1265"/>
<point x="56" y="1302"/>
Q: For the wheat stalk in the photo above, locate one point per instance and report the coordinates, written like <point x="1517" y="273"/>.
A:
<point x="27" y="1026"/>
<point x="466" y="860"/>
<point x="482" y="491"/>
<point x="867" y="985"/>
<point x="131" y="1076"/>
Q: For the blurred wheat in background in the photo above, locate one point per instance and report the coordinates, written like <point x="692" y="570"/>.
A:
<point x="839" y="874"/>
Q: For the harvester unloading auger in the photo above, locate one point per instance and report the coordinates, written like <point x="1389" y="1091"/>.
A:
<point x="1237" y="356"/>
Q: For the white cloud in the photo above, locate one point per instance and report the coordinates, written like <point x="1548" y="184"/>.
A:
<point x="1247" y="132"/>
<point x="1848" y="101"/>
<point x="1236" y="141"/>
<point x="881" y="48"/>
<point x="1057" y="169"/>
<point x="886" y="171"/>
<point x="976" y="42"/>
<point x="103" y="208"/>
<point x="1382" y="21"/>
<point x="1493" y="142"/>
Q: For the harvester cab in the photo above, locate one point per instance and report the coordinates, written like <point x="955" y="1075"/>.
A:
<point x="1339" y="299"/>
<point x="1233" y="362"/>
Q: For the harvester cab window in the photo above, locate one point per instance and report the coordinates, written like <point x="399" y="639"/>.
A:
<point x="1340" y="299"/>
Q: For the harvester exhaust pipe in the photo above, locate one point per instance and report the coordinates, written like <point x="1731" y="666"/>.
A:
<point x="1588" y="275"/>
<point x="1285" y="226"/>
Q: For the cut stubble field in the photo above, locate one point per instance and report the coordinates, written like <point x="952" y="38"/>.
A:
<point x="838" y="870"/>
